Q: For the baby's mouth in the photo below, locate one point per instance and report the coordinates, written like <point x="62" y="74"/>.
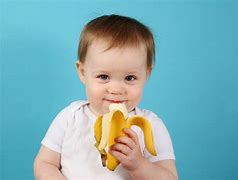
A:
<point x="115" y="101"/>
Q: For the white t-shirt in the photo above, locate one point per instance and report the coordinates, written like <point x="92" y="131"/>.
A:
<point x="72" y="135"/>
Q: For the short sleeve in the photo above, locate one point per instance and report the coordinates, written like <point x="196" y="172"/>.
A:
<point x="55" y="133"/>
<point x="162" y="140"/>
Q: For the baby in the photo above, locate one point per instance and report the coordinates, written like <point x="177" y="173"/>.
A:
<point x="116" y="57"/>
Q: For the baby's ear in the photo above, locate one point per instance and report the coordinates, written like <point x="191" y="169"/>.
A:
<point x="148" y="72"/>
<point x="80" y="70"/>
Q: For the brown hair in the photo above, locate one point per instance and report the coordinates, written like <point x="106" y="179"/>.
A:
<point x="117" y="31"/>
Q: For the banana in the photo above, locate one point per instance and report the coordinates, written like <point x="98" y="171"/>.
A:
<point x="111" y="125"/>
<point x="120" y="107"/>
<point x="144" y="124"/>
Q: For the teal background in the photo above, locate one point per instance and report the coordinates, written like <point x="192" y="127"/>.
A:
<point x="193" y="87"/>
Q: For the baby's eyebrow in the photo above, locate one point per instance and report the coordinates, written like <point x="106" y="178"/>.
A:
<point x="124" y="73"/>
<point x="133" y="72"/>
<point x="100" y="72"/>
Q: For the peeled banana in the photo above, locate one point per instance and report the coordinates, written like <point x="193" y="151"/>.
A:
<point x="111" y="125"/>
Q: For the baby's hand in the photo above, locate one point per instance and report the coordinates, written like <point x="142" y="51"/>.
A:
<point x="127" y="150"/>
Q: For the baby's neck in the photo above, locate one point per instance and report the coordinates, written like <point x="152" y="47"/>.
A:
<point x="93" y="111"/>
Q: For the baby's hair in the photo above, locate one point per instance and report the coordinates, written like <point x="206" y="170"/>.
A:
<point x="117" y="31"/>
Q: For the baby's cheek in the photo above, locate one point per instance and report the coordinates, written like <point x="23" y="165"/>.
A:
<point x="136" y="94"/>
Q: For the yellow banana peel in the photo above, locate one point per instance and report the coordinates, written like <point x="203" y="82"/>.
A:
<point x="111" y="125"/>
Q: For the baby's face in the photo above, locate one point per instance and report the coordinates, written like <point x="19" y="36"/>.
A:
<point x="116" y="75"/>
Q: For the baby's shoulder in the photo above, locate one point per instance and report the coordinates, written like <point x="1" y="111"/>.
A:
<point x="74" y="106"/>
<point x="155" y="121"/>
<point x="150" y="115"/>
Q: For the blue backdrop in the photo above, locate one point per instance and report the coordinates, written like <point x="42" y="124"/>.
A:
<point x="193" y="87"/>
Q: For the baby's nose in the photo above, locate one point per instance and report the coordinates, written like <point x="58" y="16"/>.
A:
<point x="116" y="88"/>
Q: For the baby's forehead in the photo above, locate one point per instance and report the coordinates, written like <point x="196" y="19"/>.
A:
<point x="101" y="57"/>
<point x="101" y="45"/>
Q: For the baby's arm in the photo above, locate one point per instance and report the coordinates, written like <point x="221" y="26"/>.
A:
<point x="161" y="170"/>
<point x="47" y="165"/>
<point x="127" y="151"/>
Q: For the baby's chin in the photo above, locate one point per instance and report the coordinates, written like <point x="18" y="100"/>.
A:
<point x="99" y="111"/>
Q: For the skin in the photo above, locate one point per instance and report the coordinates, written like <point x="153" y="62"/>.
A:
<point x="127" y="151"/>
<point x="117" y="75"/>
<point x="113" y="76"/>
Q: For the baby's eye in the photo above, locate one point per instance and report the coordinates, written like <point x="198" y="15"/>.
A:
<point x="103" y="77"/>
<point x="130" y="78"/>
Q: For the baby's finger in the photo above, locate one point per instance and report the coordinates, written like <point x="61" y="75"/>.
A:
<point x="126" y="141"/>
<point x="131" y="134"/>
<point x="118" y="155"/>
<point x="124" y="149"/>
